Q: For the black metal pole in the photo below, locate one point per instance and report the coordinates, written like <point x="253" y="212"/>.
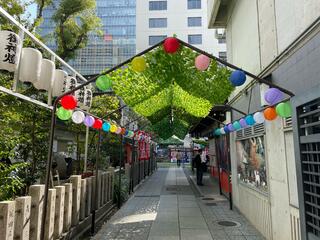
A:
<point x="218" y="163"/>
<point x="120" y="163"/>
<point x="229" y="173"/>
<point x="96" y="184"/>
<point x="132" y="165"/>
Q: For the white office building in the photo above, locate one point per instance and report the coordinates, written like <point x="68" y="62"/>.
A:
<point x="187" y="19"/>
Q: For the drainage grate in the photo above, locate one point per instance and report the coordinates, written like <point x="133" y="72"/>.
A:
<point x="157" y="196"/>
<point x="211" y="204"/>
<point x="228" y="223"/>
<point x="208" y="199"/>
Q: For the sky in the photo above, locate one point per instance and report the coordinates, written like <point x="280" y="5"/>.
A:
<point x="32" y="9"/>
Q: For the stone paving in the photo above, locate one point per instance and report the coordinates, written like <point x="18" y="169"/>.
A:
<point x="168" y="207"/>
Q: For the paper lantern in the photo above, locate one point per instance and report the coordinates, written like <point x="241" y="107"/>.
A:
<point x="236" y="125"/>
<point x="273" y="96"/>
<point x="258" y="117"/>
<point x="123" y="131"/>
<point x="230" y="127"/>
<point x="69" y="84"/>
<point x="60" y="77"/>
<point x="106" y="127"/>
<point x="243" y="123"/>
<point x="118" y="131"/>
<point x="127" y="133"/>
<point x="87" y="99"/>
<point x="222" y="131"/>
<point x="270" y="114"/>
<point x="113" y="128"/>
<point x="69" y="102"/>
<point x="138" y="64"/>
<point x="249" y="120"/>
<point x="202" y="62"/>
<point x="97" y="124"/>
<point x="217" y="132"/>
<point x="80" y="96"/>
<point x="10" y="50"/>
<point x="47" y="72"/>
<point x="238" y="78"/>
<point x="171" y="45"/>
<point x="226" y="129"/>
<point x="89" y="121"/>
<point x="284" y="109"/>
<point x="64" y="114"/>
<point x="104" y="82"/>
<point x="30" y="65"/>
<point x="78" y="117"/>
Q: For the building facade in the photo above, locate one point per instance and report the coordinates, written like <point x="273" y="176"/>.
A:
<point x="278" y="40"/>
<point x="187" y="19"/>
<point x="117" y="44"/>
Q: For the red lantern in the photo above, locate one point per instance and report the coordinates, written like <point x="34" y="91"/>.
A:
<point x="171" y="45"/>
<point x="69" y="102"/>
<point x="270" y="114"/>
<point x="97" y="124"/>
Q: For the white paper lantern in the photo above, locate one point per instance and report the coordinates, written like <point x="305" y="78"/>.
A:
<point x="30" y="65"/>
<point x="80" y="96"/>
<point x="69" y="84"/>
<point x="46" y="75"/>
<point x="10" y="50"/>
<point x="222" y="131"/>
<point x="60" y="77"/>
<point x="78" y="117"/>
<point x="258" y="117"/>
<point x="87" y="99"/>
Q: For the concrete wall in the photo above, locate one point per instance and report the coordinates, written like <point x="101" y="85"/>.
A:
<point x="177" y="15"/>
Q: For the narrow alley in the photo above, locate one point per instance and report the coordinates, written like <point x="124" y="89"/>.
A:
<point x="169" y="206"/>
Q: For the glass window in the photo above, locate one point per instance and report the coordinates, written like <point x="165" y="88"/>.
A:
<point x="157" y="22"/>
<point x="194" y="21"/>
<point x="194" y="4"/>
<point x="156" y="39"/>
<point x="157" y="5"/>
<point x="195" y="39"/>
<point x="222" y="40"/>
<point x="223" y="56"/>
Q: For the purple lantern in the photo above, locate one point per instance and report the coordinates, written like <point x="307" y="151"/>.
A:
<point x="230" y="127"/>
<point x="88" y="121"/>
<point x="226" y="129"/>
<point x="243" y="123"/>
<point x="273" y="96"/>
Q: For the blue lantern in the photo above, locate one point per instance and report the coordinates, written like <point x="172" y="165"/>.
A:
<point x="236" y="125"/>
<point x="237" y="78"/>
<point x="106" y="127"/>
<point x="249" y="120"/>
<point x="226" y="129"/>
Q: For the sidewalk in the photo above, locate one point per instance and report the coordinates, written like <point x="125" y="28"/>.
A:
<point x="167" y="207"/>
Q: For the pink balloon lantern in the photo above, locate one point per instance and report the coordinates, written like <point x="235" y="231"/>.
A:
<point x="202" y="62"/>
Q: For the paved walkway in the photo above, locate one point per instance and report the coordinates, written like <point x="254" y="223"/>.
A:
<point x="168" y="207"/>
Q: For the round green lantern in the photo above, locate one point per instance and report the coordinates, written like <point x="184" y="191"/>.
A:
<point x="236" y="125"/>
<point x="104" y="82"/>
<point x="64" y="114"/>
<point x="217" y="132"/>
<point x="284" y="109"/>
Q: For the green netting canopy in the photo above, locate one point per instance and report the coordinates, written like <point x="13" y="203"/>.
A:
<point x="171" y="92"/>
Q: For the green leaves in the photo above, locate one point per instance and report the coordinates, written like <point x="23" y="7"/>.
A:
<point x="171" y="92"/>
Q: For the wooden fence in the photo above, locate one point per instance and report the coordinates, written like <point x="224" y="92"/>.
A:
<point x="69" y="209"/>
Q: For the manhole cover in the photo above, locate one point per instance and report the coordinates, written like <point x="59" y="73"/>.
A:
<point x="228" y="223"/>
<point x="211" y="204"/>
<point x="207" y="199"/>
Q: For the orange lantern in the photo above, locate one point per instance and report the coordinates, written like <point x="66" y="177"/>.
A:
<point x="123" y="131"/>
<point x="270" y="114"/>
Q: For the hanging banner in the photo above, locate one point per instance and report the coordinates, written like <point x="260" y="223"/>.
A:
<point x="10" y="49"/>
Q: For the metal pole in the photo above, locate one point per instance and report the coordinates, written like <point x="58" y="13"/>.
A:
<point x="96" y="184"/>
<point x="229" y="172"/>
<point x="132" y="168"/>
<point x="218" y="163"/>
<point x="120" y="163"/>
<point x="86" y="150"/>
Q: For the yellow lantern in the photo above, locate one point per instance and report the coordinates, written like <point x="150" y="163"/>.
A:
<point x="113" y="128"/>
<point x="138" y="64"/>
